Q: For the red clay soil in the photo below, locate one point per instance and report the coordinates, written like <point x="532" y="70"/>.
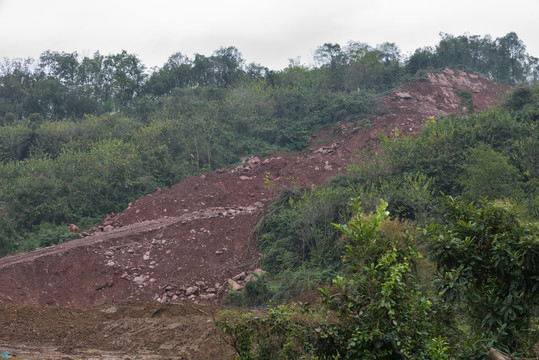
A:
<point x="187" y="241"/>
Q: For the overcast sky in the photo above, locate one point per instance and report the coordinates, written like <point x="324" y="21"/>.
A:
<point x="266" y="32"/>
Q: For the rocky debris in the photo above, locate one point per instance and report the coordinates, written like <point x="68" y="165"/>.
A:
<point x="234" y="285"/>
<point x="324" y="150"/>
<point x="200" y="290"/>
<point x="238" y="282"/>
<point x="251" y="161"/>
<point x="402" y="95"/>
<point x="107" y="283"/>
<point x="73" y="229"/>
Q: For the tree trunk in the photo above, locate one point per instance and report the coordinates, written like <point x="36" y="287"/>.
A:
<point x="496" y="355"/>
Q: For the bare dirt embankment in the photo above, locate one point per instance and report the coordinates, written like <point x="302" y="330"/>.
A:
<point x="176" y="248"/>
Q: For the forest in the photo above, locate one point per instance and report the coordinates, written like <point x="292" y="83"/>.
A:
<point x="82" y="137"/>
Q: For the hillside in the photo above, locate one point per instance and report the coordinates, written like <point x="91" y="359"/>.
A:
<point x="186" y="242"/>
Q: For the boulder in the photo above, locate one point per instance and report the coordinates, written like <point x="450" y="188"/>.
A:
<point x="72" y="228"/>
<point x="191" y="290"/>
<point x="235" y="285"/>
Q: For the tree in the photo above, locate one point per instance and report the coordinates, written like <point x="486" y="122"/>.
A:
<point x="228" y="64"/>
<point x="486" y="172"/>
<point x="512" y="56"/>
<point x="380" y="303"/>
<point x="176" y="73"/>
<point x="488" y="260"/>
<point x="61" y="66"/>
<point x="126" y="77"/>
<point x="203" y="72"/>
<point x="329" y="55"/>
<point x="421" y="59"/>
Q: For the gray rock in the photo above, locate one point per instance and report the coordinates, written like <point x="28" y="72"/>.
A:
<point x="191" y="290"/>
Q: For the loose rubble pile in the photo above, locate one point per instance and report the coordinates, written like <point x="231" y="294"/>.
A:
<point x="202" y="291"/>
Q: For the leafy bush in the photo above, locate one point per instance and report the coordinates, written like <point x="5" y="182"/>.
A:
<point x="466" y="100"/>
<point x="298" y="229"/>
<point x="486" y="172"/>
<point x="377" y="311"/>
<point x="488" y="260"/>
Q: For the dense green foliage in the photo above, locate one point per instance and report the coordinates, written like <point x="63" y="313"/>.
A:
<point x="382" y="308"/>
<point x="377" y="311"/>
<point x="488" y="266"/>
<point x="485" y="291"/>
<point x="493" y="153"/>
<point x="503" y="59"/>
<point x="56" y="172"/>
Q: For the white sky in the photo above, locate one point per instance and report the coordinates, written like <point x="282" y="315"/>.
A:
<point x="266" y="32"/>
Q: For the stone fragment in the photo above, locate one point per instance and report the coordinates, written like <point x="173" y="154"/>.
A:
<point x="73" y="229"/>
<point x="235" y="285"/>
<point x="191" y="290"/>
<point x="208" y="296"/>
<point x="107" y="228"/>
<point x="240" y="276"/>
<point x="258" y="271"/>
<point x="139" y="280"/>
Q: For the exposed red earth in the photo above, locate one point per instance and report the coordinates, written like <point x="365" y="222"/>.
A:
<point x="174" y="252"/>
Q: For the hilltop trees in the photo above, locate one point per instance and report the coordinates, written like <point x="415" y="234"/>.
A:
<point x="502" y="59"/>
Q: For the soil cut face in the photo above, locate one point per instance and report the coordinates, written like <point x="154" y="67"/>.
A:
<point x="182" y="245"/>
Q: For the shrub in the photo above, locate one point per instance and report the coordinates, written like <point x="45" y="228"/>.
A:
<point x="487" y="260"/>
<point x="377" y="311"/>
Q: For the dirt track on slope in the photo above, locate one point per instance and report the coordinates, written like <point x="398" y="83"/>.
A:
<point x="181" y="245"/>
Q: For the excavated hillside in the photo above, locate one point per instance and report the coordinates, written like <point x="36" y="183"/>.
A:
<point x="146" y="280"/>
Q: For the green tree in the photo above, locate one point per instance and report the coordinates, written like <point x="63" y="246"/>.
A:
<point x="488" y="261"/>
<point x="486" y="172"/>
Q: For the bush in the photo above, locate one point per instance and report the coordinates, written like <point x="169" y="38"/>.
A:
<point x="486" y="172"/>
<point x="487" y="259"/>
<point x="377" y="311"/>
